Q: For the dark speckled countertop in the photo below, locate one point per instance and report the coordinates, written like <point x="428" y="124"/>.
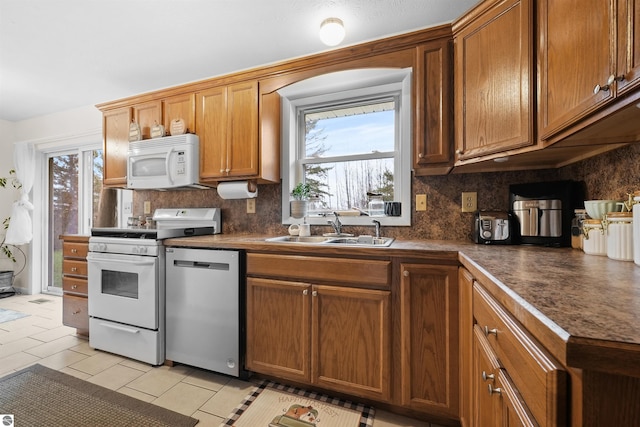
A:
<point x="584" y="309"/>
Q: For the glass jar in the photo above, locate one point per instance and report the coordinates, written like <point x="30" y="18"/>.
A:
<point x="376" y="205"/>
<point x="636" y="227"/>
<point x="619" y="235"/>
<point x="576" y="228"/>
<point x="595" y="240"/>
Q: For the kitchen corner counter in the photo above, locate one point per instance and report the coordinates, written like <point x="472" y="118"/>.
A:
<point x="584" y="309"/>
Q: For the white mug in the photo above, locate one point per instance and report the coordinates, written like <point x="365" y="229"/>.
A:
<point x="294" y="229"/>
<point x="304" y="230"/>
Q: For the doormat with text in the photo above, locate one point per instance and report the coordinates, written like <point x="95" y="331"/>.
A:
<point x="276" y="405"/>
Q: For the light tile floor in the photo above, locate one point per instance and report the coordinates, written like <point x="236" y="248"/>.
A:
<point x="41" y="338"/>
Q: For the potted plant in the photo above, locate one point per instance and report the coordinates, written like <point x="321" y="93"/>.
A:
<point x="6" y="277"/>
<point x="300" y="195"/>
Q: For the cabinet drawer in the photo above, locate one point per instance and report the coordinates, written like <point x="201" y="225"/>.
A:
<point x="74" y="267"/>
<point x="74" y="285"/>
<point x="74" y="250"/>
<point x="539" y="378"/>
<point x="75" y="312"/>
<point x="336" y="270"/>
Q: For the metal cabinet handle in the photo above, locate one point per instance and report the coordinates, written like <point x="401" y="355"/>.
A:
<point x="492" y="390"/>
<point x="305" y="292"/>
<point x="221" y="170"/>
<point x="486" y="376"/>
<point x="75" y="312"/>
<point x="74" y="251"/>
<point x="420" y="155"/>
<point x="488" y="331"/>
<point x="405" y="273"/>
<point x="459" y="151"/>
<point x="74" y="286"/>
<point x="314" y="293"/>
<point x="614" y="78"/>
<point x="599" y="88"/>
<point x="74" y="269"/>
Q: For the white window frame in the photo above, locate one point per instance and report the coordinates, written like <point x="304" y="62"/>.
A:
<point x="334" y="88"/>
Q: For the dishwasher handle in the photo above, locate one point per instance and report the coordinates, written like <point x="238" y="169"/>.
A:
<point x="222" y="266"/>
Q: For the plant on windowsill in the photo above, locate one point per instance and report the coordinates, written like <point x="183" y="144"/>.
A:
<point x="300" y="195"/>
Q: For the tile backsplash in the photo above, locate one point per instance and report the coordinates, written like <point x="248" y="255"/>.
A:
<point x="609" y="176"/>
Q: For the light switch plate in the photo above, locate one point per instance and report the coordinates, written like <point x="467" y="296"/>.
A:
<point x="147" y="207"/>
<point x="469" y="202"/>
<point x="421" y="202"/>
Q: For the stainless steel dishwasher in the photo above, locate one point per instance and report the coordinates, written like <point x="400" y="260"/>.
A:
<point x="203" y="309"/>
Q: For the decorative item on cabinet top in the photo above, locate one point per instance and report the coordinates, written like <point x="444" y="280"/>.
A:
<point x="157" y="130"/>
<point x="135" y="134"/>
<point x="177" y="127"/>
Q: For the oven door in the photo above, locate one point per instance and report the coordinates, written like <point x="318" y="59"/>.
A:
<point x="124" y="288"/>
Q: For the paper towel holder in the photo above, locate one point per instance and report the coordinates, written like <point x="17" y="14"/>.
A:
<point x="238" y="189"/>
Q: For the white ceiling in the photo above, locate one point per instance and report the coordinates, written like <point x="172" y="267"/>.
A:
<point x="57" y="55"/>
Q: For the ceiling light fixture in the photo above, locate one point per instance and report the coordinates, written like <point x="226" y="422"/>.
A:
<point x="332" y="31"/>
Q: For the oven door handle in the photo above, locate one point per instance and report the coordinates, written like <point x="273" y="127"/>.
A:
<point x="120" y="328"/>
<point x="98" y="258"/>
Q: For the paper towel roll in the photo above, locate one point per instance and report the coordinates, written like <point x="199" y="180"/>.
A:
<point x="237" y="190"/>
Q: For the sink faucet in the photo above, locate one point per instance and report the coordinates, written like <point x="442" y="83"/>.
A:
<point x="337" y="225"/>
<point x="377" y="224"/>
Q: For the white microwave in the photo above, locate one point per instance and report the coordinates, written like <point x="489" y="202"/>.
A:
<point x="164" y="163"/>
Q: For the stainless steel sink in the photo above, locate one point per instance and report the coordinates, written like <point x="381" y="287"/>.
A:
<point x="360" y="241"/>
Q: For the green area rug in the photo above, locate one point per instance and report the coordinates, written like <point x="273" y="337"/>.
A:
<point x="38" y="396"/>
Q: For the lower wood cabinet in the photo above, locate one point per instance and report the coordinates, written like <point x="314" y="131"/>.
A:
<point x="428" y="308"/>
<point x="75" y="311"/>
<point x="335" y="337"/>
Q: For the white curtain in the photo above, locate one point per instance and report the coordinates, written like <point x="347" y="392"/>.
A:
<point x="20" y="229"/>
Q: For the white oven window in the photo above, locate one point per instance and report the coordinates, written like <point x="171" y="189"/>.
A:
<point x="120" y="283"/>
<point x="153" y="166"/>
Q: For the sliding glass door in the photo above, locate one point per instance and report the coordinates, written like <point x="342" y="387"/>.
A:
<point x="74" y="186"/>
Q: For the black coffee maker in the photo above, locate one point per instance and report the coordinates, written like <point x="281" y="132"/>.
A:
<point x="543" y="211"/>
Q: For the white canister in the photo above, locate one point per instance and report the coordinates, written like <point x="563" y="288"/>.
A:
<point x="636" y="227"/>
<point x="620" y="236"/>
<point x="595" y="239"/>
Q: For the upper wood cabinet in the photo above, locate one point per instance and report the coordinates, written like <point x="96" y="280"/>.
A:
<point x="227" y="124"/>
<point x="494" y="77"/>
<point x="433" y="144"/>
<point x="180" y="107"/>
<point x="429" y="338"/>
<point x="115" y="126"/>
<point x="588" y="55"/>
<point x="147" y="115"/>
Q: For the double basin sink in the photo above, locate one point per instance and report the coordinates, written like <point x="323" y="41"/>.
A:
<point x="340" y="240"/>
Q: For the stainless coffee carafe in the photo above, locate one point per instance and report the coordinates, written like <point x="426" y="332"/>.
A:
<point x="541" y="218"/>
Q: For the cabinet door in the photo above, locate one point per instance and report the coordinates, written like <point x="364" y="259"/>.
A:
<point x="350" y="347"/>
<point x="628" y="45"/>
<point x="514" y="411"/>
<point x="180" y="107"/>
<point x="242" y="125"/>
<point x="494" y="81"/>
<point x="211" y="127"/>
<point x="116" y="143"/>
<point x="465" y="285"/>
<point x="147" y="115"/>
<point x="433" y="146"/>
<point x="486" y="398"/>
<point x="278" y="328"/>
<point x="574" y="55"/>
<point x="429" y="331"/>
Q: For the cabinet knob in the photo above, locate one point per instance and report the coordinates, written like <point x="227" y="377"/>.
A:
<point x="405" y="273"/>
<point x="488" y="331"/>
<point x="74" y="269"/>
<point x="75" y="312"/>
<point x="314" y="293"/>
<point x="305" y="292"/>
<point x="599" y="88"/>
<point x="492" y="390"/>
<point x="420" y="155"/>
<point x="459" y="151"/>
<point x="74" y="287"/>
<point x="221" y="170"/>
<point x="74" y="251"/>
<point x="486" y="376"/>
<point x="614" y="78"/>
<point x="227" y="170"/>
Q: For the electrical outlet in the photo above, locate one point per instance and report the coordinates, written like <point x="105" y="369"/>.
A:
<point x="147" y="207"/>
<point x="469" y="202"/>
<point x="421" y="202"/>
<point x="251" y="206"/>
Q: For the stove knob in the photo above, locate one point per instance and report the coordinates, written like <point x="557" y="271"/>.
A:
<point x="143" y="249"/>
<point x="134" y="250"/>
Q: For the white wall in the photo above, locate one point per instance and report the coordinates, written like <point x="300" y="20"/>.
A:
<point x="58" y="130"/>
